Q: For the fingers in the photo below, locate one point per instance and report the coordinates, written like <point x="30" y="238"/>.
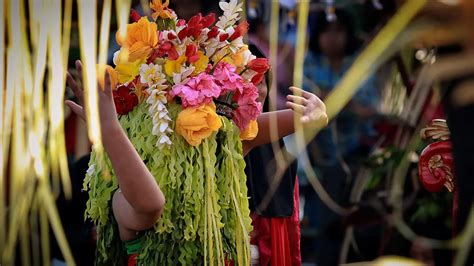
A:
<point x="296" y="107"/>
<point x="75" y="88"/>
<point x="108" y="84"/>
<point x="79" y="69"/>
<point x="77" y="109"/>
<point x="300" y="92"/>
<point x="297" y="99"/>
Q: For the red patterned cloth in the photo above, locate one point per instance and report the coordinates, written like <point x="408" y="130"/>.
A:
<point x="278" y="239"/>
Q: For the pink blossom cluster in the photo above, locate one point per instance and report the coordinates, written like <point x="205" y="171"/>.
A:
<point x="204" y="87"/>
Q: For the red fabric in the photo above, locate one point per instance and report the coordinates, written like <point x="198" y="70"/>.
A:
<point x="293" y="227"/>
<point x="132" y="260"/>
<point x="70" y="133"/>
<point x="278" y="236"/>
<point x="279" y="242"/>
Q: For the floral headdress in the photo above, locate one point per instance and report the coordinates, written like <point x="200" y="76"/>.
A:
<point x="190" y="89"/>
<point x="201" y="64"/>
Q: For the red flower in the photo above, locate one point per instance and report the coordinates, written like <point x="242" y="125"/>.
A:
<point x="257" y="79"/>
<point x="249" y="108"/>
<point x="208" y="20"/>
<point x="171" y="36"/>
<point x="191" y="53"/>
<point x="124" y="100"/>
<point x="183" y="33"/>
<point x="168" y="49"/>
<point x="134" y="15"/>
<point x="259" y="65"/>
<point x="195" y="25"/>
<point x="239" y="31"/>
<point x="213" y="33"/>
<point x="181" y="22"/>
<point x="153" y="56"/>
<point x="223" y="37"/>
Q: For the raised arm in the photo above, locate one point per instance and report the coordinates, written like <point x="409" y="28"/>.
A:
<point x="139" y="200"/>
<point x="311" y="108"/>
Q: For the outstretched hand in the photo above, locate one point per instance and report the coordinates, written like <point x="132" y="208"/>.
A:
<point x="107" y="113"/>
<point x="311" y="108"/>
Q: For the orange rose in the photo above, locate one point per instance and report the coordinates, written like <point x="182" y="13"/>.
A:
<point x="100" y="69"/>
<point x="196" y="124"/>
<point x="250" y="132"/>
<point x="140" y="40"/>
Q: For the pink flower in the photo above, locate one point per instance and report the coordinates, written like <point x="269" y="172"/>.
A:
<point x="226" y="77"/>
<point x="198" y="90"/>
<point x="249" y="109"/>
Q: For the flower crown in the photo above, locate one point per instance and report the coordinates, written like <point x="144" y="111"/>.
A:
<point x="199" y="64"/>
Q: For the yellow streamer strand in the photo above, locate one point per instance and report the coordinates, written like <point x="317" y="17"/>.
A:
<point x="27" y="123"/>
<point x="303" y="11"/>
<point x="88" y="40"/>
<point x="56" y="98"/>
<point x="123" y="11"/>
<point x="2" y="132"/>
<point x="104" y="31"/>
<point x="363" y="65"/>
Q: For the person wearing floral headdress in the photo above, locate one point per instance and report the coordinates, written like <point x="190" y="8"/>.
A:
<point x="178" y="112"/>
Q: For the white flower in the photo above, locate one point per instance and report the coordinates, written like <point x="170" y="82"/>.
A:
<point x="213" y="45"/>
<point x="151" y="74"/>
<point x="164" y="35"/>
<point x="247" y="57"/>
<point x="183" y="76"/>
<point x="115" y="58"/>
<point x="90" y="171"/>
<point x="236" y="44"/>
<point x="230" y="15"/>
<point x="161" y="121"/>
<point x="222" y="52"/>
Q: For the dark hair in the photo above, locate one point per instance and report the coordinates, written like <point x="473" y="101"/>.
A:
<point x="320" y="25"/>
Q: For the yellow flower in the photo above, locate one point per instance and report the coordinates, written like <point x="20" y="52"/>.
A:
<point x="140" y="40"/>
<point x="100" y="69"/>
<point x="201" y="64"/>
<point x="251" y="132"/>
<point x="241" y="57"/>
<point x="196" y="124"/>
<point x="127" y="70"/>
<point x="161" y="9"/>
<point x="174" y="66"/>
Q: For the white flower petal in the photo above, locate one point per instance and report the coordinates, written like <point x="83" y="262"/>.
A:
<point x="91" y="169"/>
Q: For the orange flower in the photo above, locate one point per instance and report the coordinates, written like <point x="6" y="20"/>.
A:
<point x="161" y="9"/>
<point x="140" y="40"/>
<point x="196" y="124"/>
<point x="250" y="132"/>
<point x="100" y="69"/>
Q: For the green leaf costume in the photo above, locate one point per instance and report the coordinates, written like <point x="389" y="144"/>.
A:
<point x="206" y="219"/>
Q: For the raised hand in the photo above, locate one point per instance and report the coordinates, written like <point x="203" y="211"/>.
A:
<point x="313" y="110"/>
<point x="107" y="112"/>
<point x="139" y="201"/>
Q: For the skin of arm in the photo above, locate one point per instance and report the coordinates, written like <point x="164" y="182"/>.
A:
<point x="311" y="108"/>
<point x="139" y="201"/>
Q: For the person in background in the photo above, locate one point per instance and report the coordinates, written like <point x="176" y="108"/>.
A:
<point x="80" y="233"/>
<point x="276" y="233"/>
<point x="337" y="151"/>
<point x="258" y="35"/>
